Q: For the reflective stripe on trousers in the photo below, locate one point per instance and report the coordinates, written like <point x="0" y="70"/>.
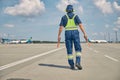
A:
<point x="72" y="36"/>
<point x="78" y="54"/>
<point x="70" y="56"/>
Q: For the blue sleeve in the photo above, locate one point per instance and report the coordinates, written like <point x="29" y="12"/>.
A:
<point x="77" y="20"/>
<point x="63" y="21"/>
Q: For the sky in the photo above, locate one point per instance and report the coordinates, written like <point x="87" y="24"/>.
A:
<point x="21" y="19"/>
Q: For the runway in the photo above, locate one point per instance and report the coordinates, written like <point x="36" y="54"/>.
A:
<point x="46" y="62"/>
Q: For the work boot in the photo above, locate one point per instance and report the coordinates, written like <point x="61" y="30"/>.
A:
<point x="72" y="67"/>
<point x="79" y="66"/>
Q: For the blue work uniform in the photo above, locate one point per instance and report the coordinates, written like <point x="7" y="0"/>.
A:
<point x="72" y="36"/>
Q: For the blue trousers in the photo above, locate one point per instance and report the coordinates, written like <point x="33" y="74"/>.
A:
<point x="72" y="36"/>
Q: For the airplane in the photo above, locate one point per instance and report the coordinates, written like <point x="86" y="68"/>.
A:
<point x="23" y="41"/>
<point x="6" y="41"/>
<point x="97" y="41"/>
<point x="15" y="41"/>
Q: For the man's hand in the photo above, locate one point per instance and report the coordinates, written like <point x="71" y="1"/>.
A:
<point x="58" y="43"/>
<point x="86" y="38"/>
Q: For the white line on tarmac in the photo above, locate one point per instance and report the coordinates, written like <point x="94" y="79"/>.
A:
<point x="28" y="59"/>
<point x="93" y="50"/>
<point x="96" y="51"/>
<point x="90" y="48"/>
<point x="111" y="58"/>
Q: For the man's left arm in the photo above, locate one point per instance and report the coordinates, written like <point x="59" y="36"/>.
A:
<point x="83" y="31"/>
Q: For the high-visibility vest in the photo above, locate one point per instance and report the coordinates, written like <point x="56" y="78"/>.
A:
<point x="71" y="24"/>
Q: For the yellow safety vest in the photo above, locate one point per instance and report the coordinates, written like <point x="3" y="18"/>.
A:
<point x="71" y="24"/>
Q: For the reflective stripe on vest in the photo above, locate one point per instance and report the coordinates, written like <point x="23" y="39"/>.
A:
<point x="71" y="24"/>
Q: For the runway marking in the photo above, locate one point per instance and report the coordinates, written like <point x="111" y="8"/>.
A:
<point x="96" y="51"/>
<point x="28" y="59"/>
<point x="93" y="50"/>
<point x="90" y="48"/>
<point x="111" y="58"/>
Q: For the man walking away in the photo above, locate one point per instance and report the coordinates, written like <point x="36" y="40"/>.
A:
<point x="70" y="21"/>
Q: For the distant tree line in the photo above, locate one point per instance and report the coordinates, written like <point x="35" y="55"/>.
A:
<point x="45" y="42"/>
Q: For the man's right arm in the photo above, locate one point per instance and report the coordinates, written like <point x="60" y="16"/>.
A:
<point x="60" y="31"/>
<point x="59" y="35"/>
<point x="62" y="25"/>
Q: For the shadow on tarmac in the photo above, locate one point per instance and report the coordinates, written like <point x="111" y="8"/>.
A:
<point x="18" y="79"/>
<point x="53" y="65"/>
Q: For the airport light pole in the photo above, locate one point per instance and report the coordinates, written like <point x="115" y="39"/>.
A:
<point x="116" y="36"/>
<point x="104" y="36"/>
<point x="109" y="37"/>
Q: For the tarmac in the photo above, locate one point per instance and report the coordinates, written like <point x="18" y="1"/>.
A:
<point x="46" y="62"/>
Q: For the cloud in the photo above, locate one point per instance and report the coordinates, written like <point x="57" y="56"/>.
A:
<point x="26" y="8"/>
<point x="116" y="6"/>
<point x="104" y="6"/>
<point x="94" y="34"/>
<point x="3" y="35"/>
<point x="63" y="4"/>
<point x="6" y="35"/>
<point x="102" y="33"/>
<point x="107" y="26"/>
<point x="118" y="21"/>
<point x="115" y="29"/>
<point x="9" y="25"/>
<point x="117" y="25"/>
<point x="0" y="35"/>
<point x="31" y="19"/>
<point x="80" y="9"/>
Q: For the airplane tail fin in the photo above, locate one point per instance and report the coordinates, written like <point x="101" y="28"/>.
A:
<point x="29" y="40"/>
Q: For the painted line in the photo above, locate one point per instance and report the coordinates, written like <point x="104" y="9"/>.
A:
<point x="96" y="51"/>
<point x="111" y="58"/>
<point x="90" y="48"/>
<point x="28" y="59"/>
<point x="93" y="50"/>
